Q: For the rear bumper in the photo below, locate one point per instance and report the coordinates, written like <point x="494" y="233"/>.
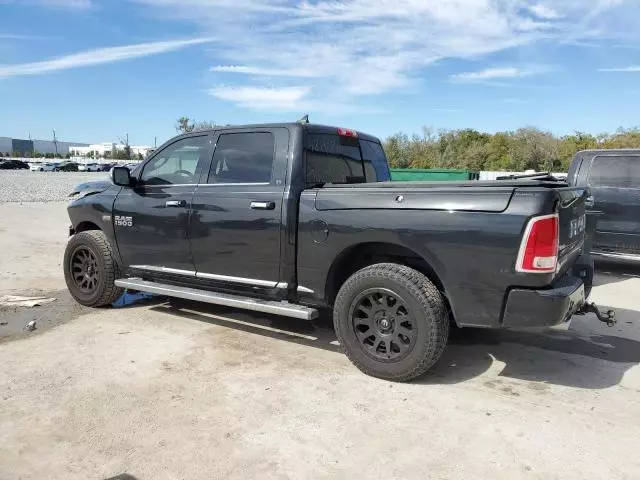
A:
<point x="526" y="308"/>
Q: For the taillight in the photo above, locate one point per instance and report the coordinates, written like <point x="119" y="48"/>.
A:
<point x="539" y="248"/>
<point x="346" y="132"/>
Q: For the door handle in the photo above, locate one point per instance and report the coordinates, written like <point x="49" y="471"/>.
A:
<point x="263" y="205"/>
<point x="175" y="203"/>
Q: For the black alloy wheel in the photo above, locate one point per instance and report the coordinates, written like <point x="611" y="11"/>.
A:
<point x="383" y="324"/>
<point x="84" y="269"/>
<point x="391" y="321"/>
<point x="90" y="269"/>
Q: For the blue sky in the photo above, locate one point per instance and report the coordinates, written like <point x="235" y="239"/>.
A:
<point x="97" y="69"/>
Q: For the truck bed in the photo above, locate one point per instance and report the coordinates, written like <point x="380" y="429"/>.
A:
<point x="451" y="184"/>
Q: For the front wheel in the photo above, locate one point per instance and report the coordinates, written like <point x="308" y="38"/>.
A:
<point x="391" y="321"/>
<point x="90" y="269"/>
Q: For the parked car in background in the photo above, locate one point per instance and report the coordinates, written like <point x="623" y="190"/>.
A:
<point x="67" y="167"/>
<point x="14" y="165"/>
<point x="43" y="167"/>
<point x="613" y="178"/>
<point x="89" y="167"/>
<point x="105" y="167"/>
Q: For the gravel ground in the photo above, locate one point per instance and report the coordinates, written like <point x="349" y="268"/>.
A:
<point x="27" y="186"/>
<point x="155" y="392"/>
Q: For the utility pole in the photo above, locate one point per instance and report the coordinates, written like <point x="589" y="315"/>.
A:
<point x="55" y="142"/>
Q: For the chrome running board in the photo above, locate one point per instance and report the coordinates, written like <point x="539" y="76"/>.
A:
<point x="283" y="308"/>
<point x="616" y="257"/>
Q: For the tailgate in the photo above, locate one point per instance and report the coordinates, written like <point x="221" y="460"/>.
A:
<point x="571" y="211"/>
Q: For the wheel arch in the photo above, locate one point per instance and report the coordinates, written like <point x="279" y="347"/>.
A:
<point x="360" y="255"/>
<point x="86" y="225"/>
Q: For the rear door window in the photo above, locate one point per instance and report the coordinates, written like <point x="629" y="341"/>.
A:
<point x="245" y="157"/>
<point x="615" y="171"/>
<point x="331" y="158"/>
<point x="376" y="168"/>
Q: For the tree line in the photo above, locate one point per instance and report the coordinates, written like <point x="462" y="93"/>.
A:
<point x="519" y="150"/>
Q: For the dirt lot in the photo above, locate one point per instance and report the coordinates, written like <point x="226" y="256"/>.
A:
<point x="158" y="393"/>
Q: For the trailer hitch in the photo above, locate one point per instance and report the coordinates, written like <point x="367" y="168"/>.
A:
<point x="608" y="317"/>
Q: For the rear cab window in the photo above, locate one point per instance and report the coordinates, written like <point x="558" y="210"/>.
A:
<point x="615" y="171"/>
<point x="334" y="158"/>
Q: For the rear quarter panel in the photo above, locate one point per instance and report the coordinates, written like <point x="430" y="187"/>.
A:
<point x="471" y="251"/>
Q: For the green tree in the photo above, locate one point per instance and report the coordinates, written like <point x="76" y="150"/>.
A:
<point x="570" y="144"/>
<point x="187" y="125"/>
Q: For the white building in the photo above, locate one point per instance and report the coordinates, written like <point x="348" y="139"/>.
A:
<point x="141" y="149"/>
<point x="100" y="149"/>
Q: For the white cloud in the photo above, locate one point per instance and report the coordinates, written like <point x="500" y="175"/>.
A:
<point x="630" y="69"/>
<point x="544" y="11"/>
<point x="11" y="36"/>
<point x="70" y="4"/>
<point x="96" y="57"/>
<point x="82" y="4"/>
<point x="269" y="72"/>
<point x="286" y="98"/>
<point x="501" y="73"/>
<point x="347" y="49"/>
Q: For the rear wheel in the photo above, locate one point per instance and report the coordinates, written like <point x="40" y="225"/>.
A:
<point x="391" y="321"/>
<point x="90" y="269"/>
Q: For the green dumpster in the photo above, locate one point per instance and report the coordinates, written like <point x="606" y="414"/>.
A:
<point x="431" y="175"/>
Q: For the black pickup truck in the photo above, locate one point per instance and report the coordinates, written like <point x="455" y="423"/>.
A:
<point x="291" y="218"/>
<point x="613" y="207"/>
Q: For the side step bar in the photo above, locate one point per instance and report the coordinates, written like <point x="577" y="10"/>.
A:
<point x="285" y="309"/>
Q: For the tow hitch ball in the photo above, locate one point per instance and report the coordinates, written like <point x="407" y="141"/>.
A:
<point x="608" y="317"/>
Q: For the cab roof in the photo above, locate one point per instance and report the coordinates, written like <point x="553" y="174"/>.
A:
<point x="308" y="127"/>
<point x="610" y="151"/>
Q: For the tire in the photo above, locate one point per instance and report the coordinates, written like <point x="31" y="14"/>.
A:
<point x="416" y="329"/>
<point x="90" y="269"/>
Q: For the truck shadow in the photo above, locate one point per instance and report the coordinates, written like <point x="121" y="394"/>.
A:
<point x="607" y="273"/>
<point x="587" y="357"/>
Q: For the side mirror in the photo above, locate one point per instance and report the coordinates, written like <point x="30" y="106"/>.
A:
<point x="121" y="176"/>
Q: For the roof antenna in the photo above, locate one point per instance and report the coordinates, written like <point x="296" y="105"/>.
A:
<point x="304" y="120"/>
